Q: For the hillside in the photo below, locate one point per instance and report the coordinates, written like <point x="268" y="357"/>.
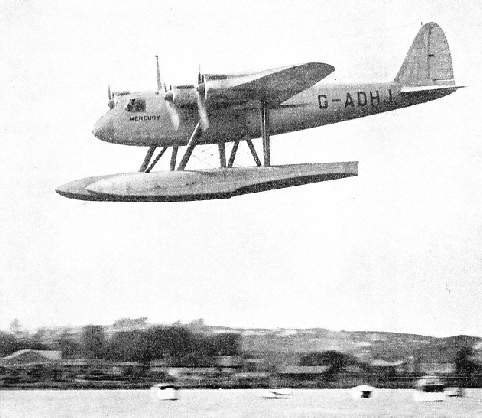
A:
<point x="365" y="345"/>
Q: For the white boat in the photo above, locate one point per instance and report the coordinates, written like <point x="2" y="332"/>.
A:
<point x="363" y="391"/>
<point x="454" y="392"/>
<point x="277" y="394"/>
<point x="165" y="392"/>
<point x="429" y="389"/>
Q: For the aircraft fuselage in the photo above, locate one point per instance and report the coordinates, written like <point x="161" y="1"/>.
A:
<point x="319" y="105"/>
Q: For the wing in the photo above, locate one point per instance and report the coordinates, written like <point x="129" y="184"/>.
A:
<point x="271" y="86"/>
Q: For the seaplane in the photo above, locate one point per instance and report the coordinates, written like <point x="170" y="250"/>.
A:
<point x="237" y="108"/>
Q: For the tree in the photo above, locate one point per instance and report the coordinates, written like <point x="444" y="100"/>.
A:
<point x="15" y="327"/>
<point x="129" y="323"/>
<point x="93" y="341"/>
<point x="69" y="347"/>
<point x="197" y="326"/>
<point x="464" y="366"/>
<point x="179" y="342"/>
<point x="37" y="341"/>
<point x="335" y="361"/>
<point x="173" y="343"/>
<point x="128" y="346"/>
<point x="226" y="344"/>
<point x="8" y="344"/>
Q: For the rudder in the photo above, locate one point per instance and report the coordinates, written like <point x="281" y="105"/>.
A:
<point x="428" y="61"/>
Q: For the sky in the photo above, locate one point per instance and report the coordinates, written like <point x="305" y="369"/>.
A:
<point x="398" y="248"/>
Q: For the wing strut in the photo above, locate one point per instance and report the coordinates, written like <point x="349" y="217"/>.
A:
<point x="265" y="133"/>
<point x="147" y="159"/>
<point x="190" y="146"/>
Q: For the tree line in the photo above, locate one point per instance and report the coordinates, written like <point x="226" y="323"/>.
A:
<point x="174" y="344"/>
<point x="179" y="345"/>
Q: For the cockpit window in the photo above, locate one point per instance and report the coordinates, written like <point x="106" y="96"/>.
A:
<point x="136" y="105"/>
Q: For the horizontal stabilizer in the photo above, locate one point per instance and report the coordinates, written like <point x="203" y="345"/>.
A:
<point x="416" y="89"/>
<point x="420" y="94"/>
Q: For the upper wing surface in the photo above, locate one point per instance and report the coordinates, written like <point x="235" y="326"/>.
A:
<point x="272" y="86"/>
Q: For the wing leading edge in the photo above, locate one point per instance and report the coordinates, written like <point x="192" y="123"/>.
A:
<point x="271" y="86"/>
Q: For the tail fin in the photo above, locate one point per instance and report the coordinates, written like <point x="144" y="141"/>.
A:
<point x="428" y="61"/>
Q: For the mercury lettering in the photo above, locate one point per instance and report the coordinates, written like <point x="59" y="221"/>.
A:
<point x="144" y="118"/>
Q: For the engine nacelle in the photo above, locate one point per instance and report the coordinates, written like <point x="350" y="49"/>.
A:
<point x="114" y="98"/>
<point x="221" y="89"/>
<point x="182" y="96"/>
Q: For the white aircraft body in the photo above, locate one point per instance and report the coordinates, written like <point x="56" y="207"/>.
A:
<point x="234" y="108"/>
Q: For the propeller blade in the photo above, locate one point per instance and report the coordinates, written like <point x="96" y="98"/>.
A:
<point x="110" y="103"/>
<point x="199" y="76"/>
<point x="203" y="113"/>
<point x="173" y="114"/>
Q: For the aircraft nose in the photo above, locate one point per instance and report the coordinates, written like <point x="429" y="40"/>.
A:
<point x="104" y="130"/>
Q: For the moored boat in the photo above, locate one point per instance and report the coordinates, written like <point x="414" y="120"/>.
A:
<point x="363" y="391"/>
<point x="165" y="392"/>
<point x="277" y="394"/>
<point x="429" y="389"/>
<point x="454" y="392"/>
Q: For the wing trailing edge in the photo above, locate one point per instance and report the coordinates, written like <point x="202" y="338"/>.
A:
<point x="271" y="86"/>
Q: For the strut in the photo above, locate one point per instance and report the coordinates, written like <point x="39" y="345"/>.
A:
<point x="190" y="146"/>
<point x="175" y="148"/>
<point x="147" y="158"/>
<point x="222" y="154"/>
<point x="265" y="132"/>
<point x="253" y="152"/>
<point x="161" y="153"/>
<point x="233" y="154"/>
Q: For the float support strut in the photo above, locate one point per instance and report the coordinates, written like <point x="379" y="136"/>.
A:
<point x="147" y="159"/>
<point x="190" y="147"/>
<point x="265" y="133"/>
<point x="222" y="154"/>
<point x="161" y="153"/>
<point x="253" y="152"/>
<point x="233" y="153"/>
<point x="173" y="158"/>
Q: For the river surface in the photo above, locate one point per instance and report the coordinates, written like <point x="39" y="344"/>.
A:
<point x="326" y="403"/>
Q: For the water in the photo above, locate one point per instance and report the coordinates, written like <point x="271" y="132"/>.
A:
<point x="232" y="403"/>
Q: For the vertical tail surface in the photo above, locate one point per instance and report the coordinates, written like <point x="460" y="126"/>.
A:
<point x="428" y="61"/>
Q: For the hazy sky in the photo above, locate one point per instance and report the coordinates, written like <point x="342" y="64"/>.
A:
<point x="398" y="248"/>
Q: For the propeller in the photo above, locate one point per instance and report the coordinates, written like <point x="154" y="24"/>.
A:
<point x="170" y="106"/>
<point x="173" y="113"/>
<point x="200" y="101"/>
<point x="201" y="106"/>
<point x="111" y="98"/>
